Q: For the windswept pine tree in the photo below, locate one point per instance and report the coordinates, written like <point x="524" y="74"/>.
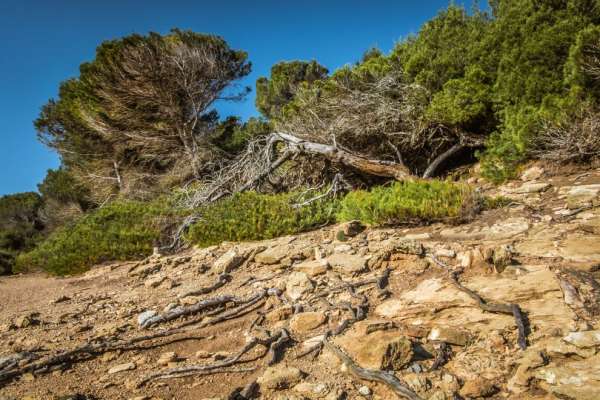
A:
<point x="139" y="116"/>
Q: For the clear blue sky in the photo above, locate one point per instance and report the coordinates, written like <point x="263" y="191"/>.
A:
<point x="43" y="42"/>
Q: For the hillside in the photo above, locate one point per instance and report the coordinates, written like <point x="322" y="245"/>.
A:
<point x="310" y="316"/>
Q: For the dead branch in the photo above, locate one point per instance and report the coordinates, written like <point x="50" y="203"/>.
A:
<point x="334" y="154"/>
<point x="439" y="160"/>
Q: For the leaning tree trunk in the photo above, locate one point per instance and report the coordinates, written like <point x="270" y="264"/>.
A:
<point x="369" y="166"/>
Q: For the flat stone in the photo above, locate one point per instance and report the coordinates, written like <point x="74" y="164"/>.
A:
<point x="166" y="358"/>
<point x="342" y="248"/>
<point x="530" y="187"/>
<point x="347" y="263"/>
<point x="280" y="313"/>
<point x="273" y="255"/>
<point x="417" y="236"/>
<point x="154" y="281"/>
<point x="228" y="261"/>
<point x="581" y="248"/>
<point x="532" y="173"/>
<point x="297" y="285"/>
<point x="311" y="342"/>
<point x="121" y="368"/>
<point x="395" y="245"/>
<point x="505" y="229"/>
<point x="312" y="389"/>
<point x="445" y="253"/>
<point x="307" y="321"/>
<point x="449" y="335"/>
<point x="583" y="339"/>
<point x="577" y="379"/>
<point x="387" y="350"/>
<point x="558" y="347"/>
<point x="279" y="377"/>
<point x="313" y="267"/>
<point x="580" y="196"/>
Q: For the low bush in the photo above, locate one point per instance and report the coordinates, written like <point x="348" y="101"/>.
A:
<point x="410" y="202"/>
<point x="20" y="226"/>
<point x="254" y="216"/>
<point x="118" y="231"/>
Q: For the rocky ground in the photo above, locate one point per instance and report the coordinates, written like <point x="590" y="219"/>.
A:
<point x="338" y="313"/>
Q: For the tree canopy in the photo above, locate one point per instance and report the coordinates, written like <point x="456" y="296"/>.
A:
<point x="141" y="111"/>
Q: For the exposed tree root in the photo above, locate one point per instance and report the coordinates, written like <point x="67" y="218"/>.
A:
<point x="221" y="281"/>
<point x="381" y="282"/>
<point x="190" y="310"/>
<point x="442" y="356"/>
<point x="207" y="368"/>
<point x="90" y="350"/>
<point x="499" y="308"/>
<point x="371" y="375"/>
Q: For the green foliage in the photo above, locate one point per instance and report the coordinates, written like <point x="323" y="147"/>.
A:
<point x="492" y="203"/>
<point x="273" y="93"/>
<point x="508" y="147"/>
<point x="443" y="49"/>
<point x="409" y="202"/>
<point x="464" y="102"/>
<point x="583" y="66"/>
<point x="536" y="45"/>
<point x="254" y="216"/>
<point x="153" y="86"/>
<point x="20" y="226"/>
<point x="60" y="185"/>
<point x="121" y="230"/>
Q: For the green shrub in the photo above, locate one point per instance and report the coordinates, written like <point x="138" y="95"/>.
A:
<point x="20" y="226"/>
<point x="254" y="216"/>
<point x="492" y="203"/>
<point x="409" y="202"/>
<point x="118" y="231"/>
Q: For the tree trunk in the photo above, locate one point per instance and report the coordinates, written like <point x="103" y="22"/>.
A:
<point x="369" y="166"/>
<point x="440" y="159"/>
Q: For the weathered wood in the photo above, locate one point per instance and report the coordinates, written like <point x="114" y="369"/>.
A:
<point x="439" y="160"/>
<point x="366" y="165"/>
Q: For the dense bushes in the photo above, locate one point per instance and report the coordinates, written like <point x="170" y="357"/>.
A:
<point x="253" y="216"/>
<point x="490" y="82"/>
<point x="125" y="230"/>
<point x="411" y="201"/>
<point x="119" y="231"/>
<point x="20" y="226"/>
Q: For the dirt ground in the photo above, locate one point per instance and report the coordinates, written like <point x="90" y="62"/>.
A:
<point x="540" y="252"/>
